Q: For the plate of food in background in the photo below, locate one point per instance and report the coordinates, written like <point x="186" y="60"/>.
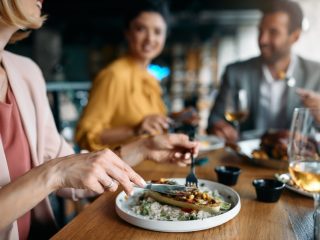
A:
<point x="210" y="205"/>
<point x="268" y="151"/>
<point x="289" y="184"/>
<point x="187" y="122"/>
<point x="209" y="143"/>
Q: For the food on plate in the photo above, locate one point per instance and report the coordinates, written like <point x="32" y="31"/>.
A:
<point x="204" y="144"/>
<point x="197" y="203"/>
<point x="193" y="200"/>
<point x="273" y="146"/>
<point x="209" y="143"/>
<point x="286" y="178"/>
<point x="164" y="181"/>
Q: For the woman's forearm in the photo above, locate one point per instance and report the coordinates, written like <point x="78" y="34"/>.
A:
<point x="117" y="135"/>
<point x="21" y="195"/>
<point x="91" y="171"/>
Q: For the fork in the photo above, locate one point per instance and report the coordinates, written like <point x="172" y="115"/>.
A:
<point x="191" y="179"/>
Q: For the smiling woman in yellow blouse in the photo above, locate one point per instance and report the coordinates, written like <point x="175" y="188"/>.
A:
<point x="125" y="100"/>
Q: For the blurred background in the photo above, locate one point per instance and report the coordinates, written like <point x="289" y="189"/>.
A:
<point x="80" y="37"/>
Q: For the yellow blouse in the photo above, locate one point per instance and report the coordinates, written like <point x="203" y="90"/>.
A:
<point x="122" y="95"/>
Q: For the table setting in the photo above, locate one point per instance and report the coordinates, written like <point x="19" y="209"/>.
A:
<point x="262" y="199"/>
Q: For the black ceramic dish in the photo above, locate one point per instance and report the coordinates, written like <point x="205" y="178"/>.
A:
<point x="268" y="190"/>
<point x="227" y="175"/>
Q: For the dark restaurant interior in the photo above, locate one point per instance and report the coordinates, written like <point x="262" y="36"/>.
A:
<point x="81" y="38"/>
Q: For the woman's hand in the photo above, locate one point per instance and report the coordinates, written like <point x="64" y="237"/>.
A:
<point x="153" y="124"/>
<point x="95" y="171"/>
<point x="173" y="148"/>
<point x="92" y="171"/>
<point x="187" y="116"/>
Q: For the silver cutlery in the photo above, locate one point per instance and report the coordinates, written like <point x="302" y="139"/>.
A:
<point x="191" y="179"/>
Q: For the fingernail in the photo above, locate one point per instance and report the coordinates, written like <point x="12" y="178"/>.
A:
<point x="130" y="194"/>
<point x="143" y="182"/>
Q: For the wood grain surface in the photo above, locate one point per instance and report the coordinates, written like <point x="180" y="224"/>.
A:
<point x="289" y="218"/>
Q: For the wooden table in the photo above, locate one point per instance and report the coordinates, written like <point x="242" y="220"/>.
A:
<point x="289" y="218"/>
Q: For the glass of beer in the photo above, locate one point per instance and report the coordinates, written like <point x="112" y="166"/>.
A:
<point x="304" y="155"/>
<point x="236" y="110"/>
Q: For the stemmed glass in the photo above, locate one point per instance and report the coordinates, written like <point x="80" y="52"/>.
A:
<point x="236" y="110"/>
<point x="304" y="156"/>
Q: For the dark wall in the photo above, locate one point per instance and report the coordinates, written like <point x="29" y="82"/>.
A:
<point x="82" y="20"/>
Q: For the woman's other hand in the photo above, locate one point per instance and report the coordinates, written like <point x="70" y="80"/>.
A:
<point x="188" y="116"/>
<point x="97" y="171"/>
<point x="173" y="148"/>
<point x="153" y="124"/>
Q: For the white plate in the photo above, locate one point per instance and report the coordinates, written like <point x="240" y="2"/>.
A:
<point x="292" y="187"/>
<point x="209" y="143"/>
<point x="248" y="146"/>
<point x="124" y="211"/>
<point x="298" y="190"/>
<point x="252" y="134"/>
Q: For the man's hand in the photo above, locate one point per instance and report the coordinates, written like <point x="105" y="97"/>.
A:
<point x="310" y="99"/>
<point x="225" y="130"/>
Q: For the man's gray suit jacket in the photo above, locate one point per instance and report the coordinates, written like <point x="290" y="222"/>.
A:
<point x="248" y="75"/>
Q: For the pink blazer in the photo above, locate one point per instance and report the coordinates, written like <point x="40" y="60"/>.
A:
<point x="45" y="143"/>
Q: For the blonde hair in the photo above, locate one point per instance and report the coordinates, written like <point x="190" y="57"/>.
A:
<point x="11" y="13"/>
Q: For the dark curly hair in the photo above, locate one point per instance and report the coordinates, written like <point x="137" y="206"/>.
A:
<point x="138" y="6"/>
<point x="291" y="8"/>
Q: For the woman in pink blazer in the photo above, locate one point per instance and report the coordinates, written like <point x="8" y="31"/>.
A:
<point x="29" y="139"/>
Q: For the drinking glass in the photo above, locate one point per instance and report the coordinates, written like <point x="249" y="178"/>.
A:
<point x="236" y="110"/>
<point x="304" y="155"/>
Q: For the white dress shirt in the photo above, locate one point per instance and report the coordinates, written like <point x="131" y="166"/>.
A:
<point x="273" y="99"/>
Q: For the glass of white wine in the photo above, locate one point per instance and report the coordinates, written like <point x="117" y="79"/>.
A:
<point x="236" y="110"/>
<point x="304" y="156"/>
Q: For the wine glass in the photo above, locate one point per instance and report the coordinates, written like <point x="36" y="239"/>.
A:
<point x="236" y="110"/>
<point x="304" y="155"/>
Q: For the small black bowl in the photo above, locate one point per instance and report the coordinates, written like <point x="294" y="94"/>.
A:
<point x="227" y="175"/>
<point x="268" y="190"/>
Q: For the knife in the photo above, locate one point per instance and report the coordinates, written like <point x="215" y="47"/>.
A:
<point x="166" y="188"/>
